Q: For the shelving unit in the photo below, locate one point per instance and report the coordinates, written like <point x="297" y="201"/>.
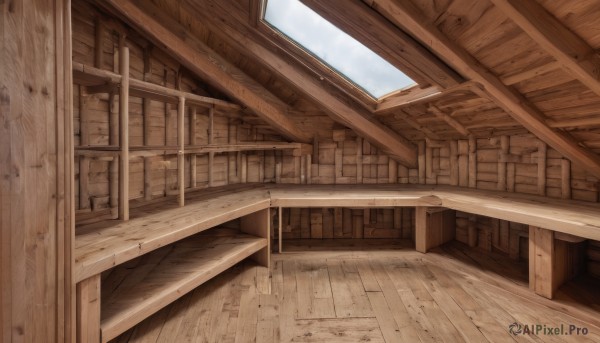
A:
<point x="175" y="253"/>
<point x="120" y="153"/>
<point x="167" y="274"/>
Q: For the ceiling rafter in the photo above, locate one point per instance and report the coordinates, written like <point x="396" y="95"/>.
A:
<point x="405" y="15"/>
<point x="204" y="62"/>
<point x="222" y="19"/>
<point x="570" y="50"/>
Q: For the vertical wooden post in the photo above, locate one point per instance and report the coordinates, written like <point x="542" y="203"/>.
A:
<point x="463" y="163"/>
<point x="504" y="150"/>
<point x="541" y="159"/>
<point x="193" y="158"/>
<point x="280" y="228"/>
<point x="259" y="224"/>
<point x="88" y="310"/>
<point x="211" y="155"/>
<point x="421" y="162"/>
<point x="472" y="162"/>
<point x="181" y="152"/>
<point x="84" y="140"/>
<point x="565" y="171"/>
<point x="146" y="110"/>
<point x="434" y="227"/>
<point x="308" y="169"/>
<point x="359" y="160"/>
<point x="392" y="171"/>
<point x="551" y="262"/>
<point x="454" y="163"/>
<point x="338" y="165"/>
<point x="113" y="183"/>
<point x="124" y="132"/>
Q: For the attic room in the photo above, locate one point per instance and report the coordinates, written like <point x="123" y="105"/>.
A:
<point x="300" y="171"/>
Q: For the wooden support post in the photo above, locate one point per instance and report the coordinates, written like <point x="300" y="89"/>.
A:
<point x="421" y="162"/>
<point x="565" y="171"/>
<point x="541" y="172"/>
<point x="124" y="132"/>
<point x="113" y="139"/>
<point x="472" y="162"/>
<point x="338" y="165"/>
<point x="280" y="228"/>
<point x="259" y="224"/>
<point x="430" y="177"/>
<point x="211" y="155"/>
<point x="358" y="226"/>
<point x="552" y="262"/>
<point x="146" y="110"/>
<point x="84" y="140"/>
<point x="193" y="158"/>
<point x="454" y="166"/>
<point x="392" y="171"/>
<point x="434" y="226"/>
<point x="463" y="163"/>
<point x="359" y="160"/>
<point x="504" y="150"/>
<point x="308" y="169"/>
<point x="88" y="310"/>
<point x="181" y="152"/>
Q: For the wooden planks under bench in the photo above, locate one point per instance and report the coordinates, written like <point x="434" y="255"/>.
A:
<point x="167" y="274"/>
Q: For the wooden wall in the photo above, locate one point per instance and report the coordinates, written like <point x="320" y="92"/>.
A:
<point x="151" y="123"/>
<point x="323" y="223"/>
<point x="35" y="164"/>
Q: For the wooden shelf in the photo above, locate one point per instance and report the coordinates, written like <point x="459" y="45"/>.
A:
<point x="149" y="151"/>
<point x="167" y="274"/>
<point x="103" y="81"/>
<point x="101" y="246"/>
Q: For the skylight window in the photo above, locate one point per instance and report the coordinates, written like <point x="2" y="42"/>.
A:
<point x="338" y="50"/>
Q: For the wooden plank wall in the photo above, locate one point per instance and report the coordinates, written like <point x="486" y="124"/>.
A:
<point x="151" y="123"/>
<point x="324" y="223"/>
<point x="35" y="164"/>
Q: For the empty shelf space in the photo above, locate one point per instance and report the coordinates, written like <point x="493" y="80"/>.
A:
<point x="132" y="293"/>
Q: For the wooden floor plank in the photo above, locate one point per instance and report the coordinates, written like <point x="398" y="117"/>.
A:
<point x="418" y="297"/>
<point x="349" y="296"/>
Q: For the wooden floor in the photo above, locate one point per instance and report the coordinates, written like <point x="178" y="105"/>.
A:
<point x="373" y="293"/>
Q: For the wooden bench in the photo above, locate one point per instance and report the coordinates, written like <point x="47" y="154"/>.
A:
<point x="556" y="228"/>
<point x="183" y="266"/>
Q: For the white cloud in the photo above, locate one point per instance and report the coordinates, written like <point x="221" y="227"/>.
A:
<point x="342" y="52"/>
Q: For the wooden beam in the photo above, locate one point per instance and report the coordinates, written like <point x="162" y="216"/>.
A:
<point x="88" y="310"/>
<point x="204" y="62"/>
<point x="406" y="15"/>
<point x="401" y="50"/>
<point x="181" y="152"/>
<point x="450" y="121"/>
<point x="570" y="50"/>
<point x="337" y="107"/>
<point x="124" y="132"/>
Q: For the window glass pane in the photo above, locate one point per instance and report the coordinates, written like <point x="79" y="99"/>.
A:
<point x="335" y="48"/>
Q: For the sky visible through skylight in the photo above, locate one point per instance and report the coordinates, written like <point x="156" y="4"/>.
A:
<point x="336" y="48"/>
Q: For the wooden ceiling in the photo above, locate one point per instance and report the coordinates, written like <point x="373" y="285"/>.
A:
<point x="485" y="68"/>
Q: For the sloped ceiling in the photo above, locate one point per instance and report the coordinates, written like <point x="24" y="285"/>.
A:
<point x="539" y="82"/>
